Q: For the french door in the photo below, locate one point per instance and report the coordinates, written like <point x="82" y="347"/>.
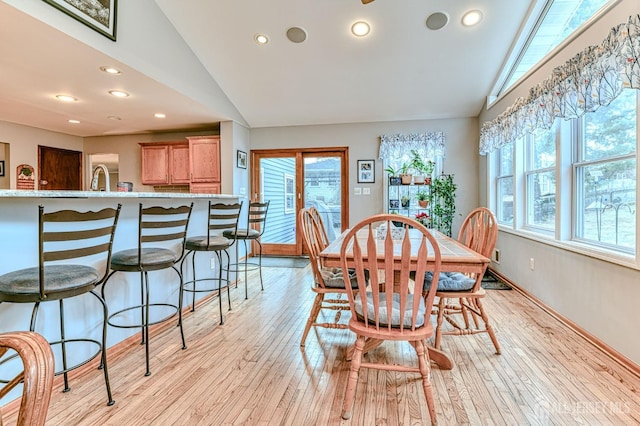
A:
<point x="291" y="179"/>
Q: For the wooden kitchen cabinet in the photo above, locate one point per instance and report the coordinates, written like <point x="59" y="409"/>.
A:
<point x="205" y="159"/>
<point x="165" y="164"/>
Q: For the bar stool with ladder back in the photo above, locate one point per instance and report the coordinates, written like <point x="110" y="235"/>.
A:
<point x="221" y="217"/>
<point x="161" y="243"/>
<point x="256" y="219"/>
<point x="74" y="251"/>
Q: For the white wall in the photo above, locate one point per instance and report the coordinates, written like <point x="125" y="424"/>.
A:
<point x="23" y="144"/>
<point x="598" y="296"/>
<point x="363" y="140"/>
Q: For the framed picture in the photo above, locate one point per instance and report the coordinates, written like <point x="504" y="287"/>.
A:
<point x="242" y="159"/>
<point x="98" y="15"/>
<point x="2" y="168"/>
<point x="366" y="171"/>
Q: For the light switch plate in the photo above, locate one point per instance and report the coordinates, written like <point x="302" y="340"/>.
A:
<point x="366" y="191"/>
<point x="357" y="191"/>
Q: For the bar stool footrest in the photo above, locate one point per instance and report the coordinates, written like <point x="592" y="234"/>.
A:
<point x="139" y="325"/>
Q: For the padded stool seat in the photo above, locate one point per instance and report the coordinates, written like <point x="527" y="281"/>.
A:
<point x="152" y="259"/>
<point x="62" y="281"/>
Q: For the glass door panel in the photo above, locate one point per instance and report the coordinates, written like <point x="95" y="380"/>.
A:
<point x="323" y="190"/>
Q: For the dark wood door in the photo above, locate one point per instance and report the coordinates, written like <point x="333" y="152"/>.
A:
<point x="60" y="169"/>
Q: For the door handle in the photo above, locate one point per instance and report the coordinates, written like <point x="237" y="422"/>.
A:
<point x="44" y="182"/>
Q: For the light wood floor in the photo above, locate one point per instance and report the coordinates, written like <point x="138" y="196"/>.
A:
<point x="252" y="371"/>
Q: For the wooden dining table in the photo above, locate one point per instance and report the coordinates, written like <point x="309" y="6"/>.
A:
<point x="454" y="257"/>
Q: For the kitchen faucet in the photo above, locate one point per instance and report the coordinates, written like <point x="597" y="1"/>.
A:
<point x="96" y="173"/>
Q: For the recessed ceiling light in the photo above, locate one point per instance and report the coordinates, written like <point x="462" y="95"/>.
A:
<point x="360" y="29"/>
<point x="159" y="115"/>
<point x="111" y="70"/>
<point x="118" y="93"/>
<point x="261" y="39"/>
<point x="74" y="121"/>
<point x="66" y="98"/>
<point x="471" y="18"/>
<point x="114" y="118"/>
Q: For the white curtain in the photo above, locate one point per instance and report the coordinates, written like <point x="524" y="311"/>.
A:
<point x="592" y="78"/>
<point x="396" y="149"/>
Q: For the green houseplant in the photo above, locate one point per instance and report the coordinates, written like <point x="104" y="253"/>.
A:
<point x="405" y="201"/>
<point x="443" y="208"/>
<point x="423" y="168"/>
<point x="394" y="179"/>
<point x="423" y="198"/>
<point x="404" y="173"/>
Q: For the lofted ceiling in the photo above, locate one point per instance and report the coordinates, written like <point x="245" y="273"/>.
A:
<point x="401" y="71"/>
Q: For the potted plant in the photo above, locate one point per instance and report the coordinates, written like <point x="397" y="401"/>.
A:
<point x="443" y="208"/>
<point x="405" y="201"/>
<point x="423" y="168"/>
<point x="423" y="218"/>
<point x="423" y="198"/>
<point x="394" y="179"/>
<point x="405" y="176"/>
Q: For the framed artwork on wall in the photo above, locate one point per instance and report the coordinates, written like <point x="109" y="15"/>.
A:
<point x="242" y="159"/>
<point x="97" y="15"/>
<point x="1" y="167"/>
<point x="366" y="171"/>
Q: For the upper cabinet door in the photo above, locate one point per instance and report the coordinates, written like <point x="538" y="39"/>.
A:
<point x="179" y="164"/>
<point x="155" y="165"/>
<point x="205" y="158"/>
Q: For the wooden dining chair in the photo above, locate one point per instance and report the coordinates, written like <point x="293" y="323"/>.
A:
<point x="385" y="308"/>
<point x="37" y="374"/>
<point x="326" y="281"/>
<point x="462" y="294"/>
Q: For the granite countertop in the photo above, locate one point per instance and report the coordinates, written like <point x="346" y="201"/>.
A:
<point x="110" y="194"/>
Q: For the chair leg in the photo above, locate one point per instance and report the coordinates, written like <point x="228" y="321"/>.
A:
<point x="228" y="282"/>
<point x="145" y="323"/>
<point x="219" y="256"/>
<point x="143" y="279"/>
<point x="425" y="371"/>
<point x="352" y="383"/>
<point x="485" y="318"/>
<point x="313" y="315"/>
<point x="63" y="345"/>
<point x="193" y="268"/>
<point x="246" y="254"/>
<point x="441" y="308"/>
<point x="103" y="362"/>
<point x="180" y="302"/>
<point x="260" y="264"/>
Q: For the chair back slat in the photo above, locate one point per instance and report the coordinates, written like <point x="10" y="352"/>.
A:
<point x="165" y="225"/>
<point x="389" y="301"/>
<point x="86" y="237"/>
<point x="479" y="231"/>
<point x="223" y="217"/>
<point x="257" y="215"/>
<point x="309" y="224"/>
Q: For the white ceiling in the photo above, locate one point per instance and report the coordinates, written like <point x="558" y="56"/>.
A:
<point x="401" y="71"/>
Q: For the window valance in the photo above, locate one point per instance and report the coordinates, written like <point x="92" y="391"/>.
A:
<point x="396" y="149"/>
<point x="592" y="78"/>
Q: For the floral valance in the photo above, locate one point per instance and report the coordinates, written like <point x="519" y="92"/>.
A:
<point x="396" y="149"/>
<point x="592" y="78"/>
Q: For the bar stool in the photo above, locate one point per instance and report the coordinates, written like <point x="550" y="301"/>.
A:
<point x="74" y="247"/>
<point x="222" y="217"/>
<point x="256" y="218"/>
<point x="160" y="230"/>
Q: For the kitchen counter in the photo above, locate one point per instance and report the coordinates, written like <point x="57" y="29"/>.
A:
<point x="19" y="249"/>
<point x="110" y="194"/>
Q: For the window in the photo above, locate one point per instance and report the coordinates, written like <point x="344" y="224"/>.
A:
<point x="605" y="174"/>
<point x="577" y="183"/>
<point x="504" y="184"/>
<point x="289" y="194"/>
<point x="540" y="152"/>
<point x="553" y="23"/>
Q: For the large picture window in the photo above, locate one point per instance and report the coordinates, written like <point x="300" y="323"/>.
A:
<point x="605" y="174"/>
<point x="540" y="174"/>
<point x="504" y="184"/>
